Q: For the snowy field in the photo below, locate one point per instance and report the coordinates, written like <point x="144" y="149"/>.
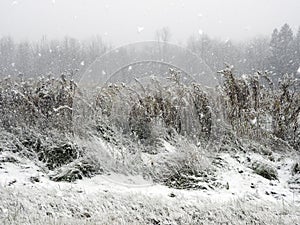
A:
<point x="28" y="196"/>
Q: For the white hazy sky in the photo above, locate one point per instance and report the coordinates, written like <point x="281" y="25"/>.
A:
<point x="118" y="21"/>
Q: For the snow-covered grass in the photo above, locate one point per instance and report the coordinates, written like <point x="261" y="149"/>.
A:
<point x="67" y="204"/>
<point x="111" y="204"/>
<point x="28" y="196"/>
<point x="156" y="154"/>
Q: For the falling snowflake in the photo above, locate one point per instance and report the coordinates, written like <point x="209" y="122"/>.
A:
<point x="140" y="29"/>
<point x="247" y="28"/>
<point x="253" y="121"/>
<point x="82" y="63"/>
<point x="103" y="72"/>
<point x="129" y="68"/>
<point x="298" y="71"/>
<point x="200" y="31"/>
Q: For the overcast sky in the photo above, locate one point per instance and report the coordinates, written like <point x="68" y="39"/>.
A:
<point x="123" y="21"/>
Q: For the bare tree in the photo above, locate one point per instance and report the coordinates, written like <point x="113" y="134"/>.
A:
<point x="163" y="34"/>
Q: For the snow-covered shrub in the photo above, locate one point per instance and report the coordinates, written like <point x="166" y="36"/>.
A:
<point x="254" y="107"/>
<point x="136" y="118"/>
<point x="296" y="168"/>
<point x="183" y="166"/>
<point x="139" y="108"/>
<point x="76" y="170"/>
<point x="56" y="156"/>
<point x="151" y="109"/>
<point x="105" y="131"/>
<point x="286" y="111"/>
<point x="265" y="170"/>
<point x="41" y="103"/>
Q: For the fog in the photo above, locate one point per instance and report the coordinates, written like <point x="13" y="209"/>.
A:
<point x="120" y="22"/>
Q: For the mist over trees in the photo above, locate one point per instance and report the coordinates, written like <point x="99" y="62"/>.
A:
<point x="278" y="54"/>
<point x="32" y="59"/>
<point x="284" y="55"/>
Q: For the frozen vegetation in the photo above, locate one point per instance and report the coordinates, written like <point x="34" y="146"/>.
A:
<point x="150" y="153"/>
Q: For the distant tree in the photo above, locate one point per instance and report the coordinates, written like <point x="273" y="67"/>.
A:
<point x="297" y="49"/>
<point x="203" y="47"/>
<point x="7" y="56"/>
<point x="282" y="57"/>
<point x="275" y="52"/>
<point x="24" y="59"/>
<point x="256" y="55"/>
<point x="94" y="48"/>
<point x="286" y="47"/>
<point x="41" y="57"/>
<point x="214" y="52"/>
<point x="54" y="57"/>
<point x="163" y="34"/>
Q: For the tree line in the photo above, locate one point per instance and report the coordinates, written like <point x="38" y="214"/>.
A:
<point x="45" y="57"/>
<point x="278" y="54"/>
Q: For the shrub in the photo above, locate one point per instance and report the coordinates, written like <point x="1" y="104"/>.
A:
<point x="256" y="108"/>
<point x="41" y="103"/>
<point x="265" y="170"/>
<point x="76" y="170"/>
<point x="296" y="168"/>
<point x="138" y="108"/>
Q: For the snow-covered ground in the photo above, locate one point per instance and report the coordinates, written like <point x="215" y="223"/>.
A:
<point x="28" y="196"/>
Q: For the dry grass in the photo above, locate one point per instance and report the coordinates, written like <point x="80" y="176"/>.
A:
<point x="255" y="108"/>
<point x="33" y="206"/>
